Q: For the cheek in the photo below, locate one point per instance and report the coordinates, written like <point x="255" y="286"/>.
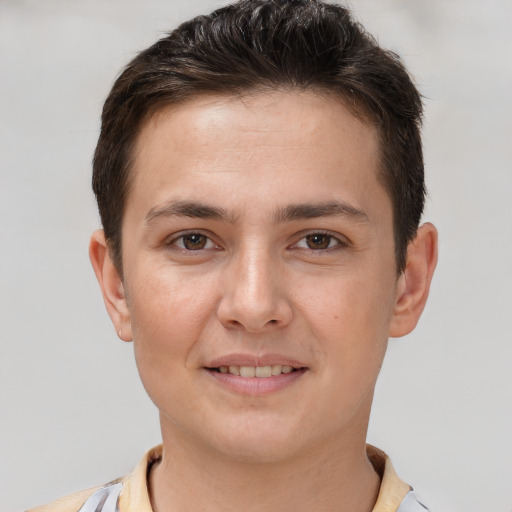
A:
<point x="168" y="313"/>
<point x="347" y="302"/>
<point x="164" y="298"/>
<point x="350" y="319"/>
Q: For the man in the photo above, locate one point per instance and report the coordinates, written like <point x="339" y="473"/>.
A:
<point x="259" y="177"/>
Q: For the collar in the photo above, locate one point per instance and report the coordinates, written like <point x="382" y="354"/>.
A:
<point x="135" y="496"/>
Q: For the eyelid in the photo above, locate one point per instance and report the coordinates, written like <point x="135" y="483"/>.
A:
<point x="343" y="242"/>
<point x="170" y="241"/>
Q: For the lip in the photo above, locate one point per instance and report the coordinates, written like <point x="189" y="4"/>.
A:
<point x="250" y="360"/>
<point x="254" y="386"/>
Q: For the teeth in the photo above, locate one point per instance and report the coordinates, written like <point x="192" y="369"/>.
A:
<point x="276" y="369"/>
<point x="234" y="370"/>
<point x="247" y="371"/>
<point x="263" y="371"/>
<point x="256" y="371"/>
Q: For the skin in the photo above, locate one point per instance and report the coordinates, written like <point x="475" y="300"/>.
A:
<point x="219" y="261"/>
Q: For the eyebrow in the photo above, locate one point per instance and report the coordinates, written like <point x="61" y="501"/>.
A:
<point x="193" y="209"/>
<point x="314" y="210"/>
<point x="175" y="208"/>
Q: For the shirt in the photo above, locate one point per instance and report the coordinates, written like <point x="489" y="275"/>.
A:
<point x="130" y="493"/>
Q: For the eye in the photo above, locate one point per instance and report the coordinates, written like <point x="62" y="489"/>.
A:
<point x="318" y="241"/>
<point x="193" y="242"/>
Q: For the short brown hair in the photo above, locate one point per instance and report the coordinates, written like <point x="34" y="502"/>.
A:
<point x="261" y="44"/>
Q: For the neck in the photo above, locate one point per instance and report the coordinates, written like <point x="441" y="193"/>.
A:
<point x="335" y="476"/>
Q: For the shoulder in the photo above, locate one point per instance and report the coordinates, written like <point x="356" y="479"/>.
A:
<point x="104" y="498"/>
<point x="128" y="494"/>
<point x="394" y="494"/>
<point x="70" y="503"/>
<point x="412" y="504"/>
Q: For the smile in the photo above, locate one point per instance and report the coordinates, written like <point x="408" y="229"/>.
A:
<point x="260" y="372"/>
<point x="256" y="375"/>
<point x="256" y="379"/>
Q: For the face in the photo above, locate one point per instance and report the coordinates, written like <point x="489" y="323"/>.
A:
<point x="259" y="272"/>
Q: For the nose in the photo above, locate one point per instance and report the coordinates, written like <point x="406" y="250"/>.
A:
<point x="254" y="294"/>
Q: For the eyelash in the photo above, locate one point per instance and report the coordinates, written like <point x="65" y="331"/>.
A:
<point x="339" y="243"/>
<point x="178" y="242"/>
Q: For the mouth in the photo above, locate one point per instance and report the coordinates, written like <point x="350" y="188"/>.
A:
<point x="259" y="372"/>
<point x="252" y="375"/>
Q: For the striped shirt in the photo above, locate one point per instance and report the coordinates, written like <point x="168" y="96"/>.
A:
<point x="130" y="493"/>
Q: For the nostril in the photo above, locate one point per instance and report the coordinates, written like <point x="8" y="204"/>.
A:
<point x="234" y="324"/>
<point x="253" y="316"/>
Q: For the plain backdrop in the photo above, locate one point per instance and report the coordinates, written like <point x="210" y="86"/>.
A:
<point x="72" y="411"/>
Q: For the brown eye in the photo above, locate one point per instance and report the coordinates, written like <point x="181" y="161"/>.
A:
<point x="319" y="241"/>
<point x="194" y="241"/>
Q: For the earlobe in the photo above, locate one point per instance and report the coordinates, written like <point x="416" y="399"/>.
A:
<point x="111" y="285"/>
<point x="414" y="283"/>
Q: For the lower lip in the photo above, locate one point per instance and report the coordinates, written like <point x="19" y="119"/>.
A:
<point x="257" y="385"/>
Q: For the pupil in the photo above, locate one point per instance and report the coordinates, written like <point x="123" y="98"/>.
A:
<point x="194" y="241"/>
<point x="318" y="241"/>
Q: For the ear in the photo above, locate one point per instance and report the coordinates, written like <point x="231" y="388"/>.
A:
<point x="111" y="285"/>
<point x="414" y="282"/>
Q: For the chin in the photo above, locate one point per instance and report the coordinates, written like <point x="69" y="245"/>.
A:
<point x="261" y="441"/>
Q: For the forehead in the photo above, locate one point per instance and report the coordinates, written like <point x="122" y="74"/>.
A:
<point x="290" y="111"/>
<point x="297" y="141"/>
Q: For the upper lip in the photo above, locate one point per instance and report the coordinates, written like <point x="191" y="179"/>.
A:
<point x="251" y="360"/>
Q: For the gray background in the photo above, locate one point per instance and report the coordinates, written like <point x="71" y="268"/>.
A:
<point x="72" y="412"/>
